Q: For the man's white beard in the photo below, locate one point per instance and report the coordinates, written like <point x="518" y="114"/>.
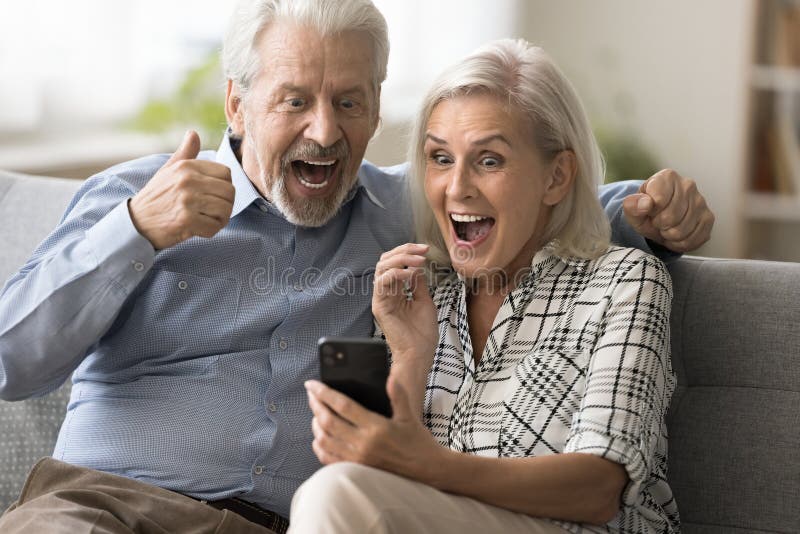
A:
<point x="309" y="212"/>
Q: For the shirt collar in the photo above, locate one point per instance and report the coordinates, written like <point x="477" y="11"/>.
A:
<point x="370" y="196"/>
<point x="246" y="193"/>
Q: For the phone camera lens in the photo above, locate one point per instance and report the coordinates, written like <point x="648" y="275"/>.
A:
<point x="329" y="360"/>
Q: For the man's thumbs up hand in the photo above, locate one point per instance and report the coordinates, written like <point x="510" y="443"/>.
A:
<point x="187" y="197"/>
<point x="189" y="149"/>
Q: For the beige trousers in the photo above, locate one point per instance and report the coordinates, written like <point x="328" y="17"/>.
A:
<point x="352" y="498"/>
<point x="59" y="498"/>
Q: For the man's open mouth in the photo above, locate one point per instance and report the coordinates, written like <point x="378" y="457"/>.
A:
<point x="315" y="174"/>
<point x="471" y="228"/>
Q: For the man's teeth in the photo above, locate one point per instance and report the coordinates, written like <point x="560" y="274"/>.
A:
<point x="312" y="186"/>
<point x="467" y="218"/>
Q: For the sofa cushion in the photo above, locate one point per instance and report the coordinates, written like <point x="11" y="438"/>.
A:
<point x="734" y="423"/>
<point x="30" y="207"/>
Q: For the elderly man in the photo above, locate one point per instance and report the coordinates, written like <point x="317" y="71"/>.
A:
<point x="185" y="293"/>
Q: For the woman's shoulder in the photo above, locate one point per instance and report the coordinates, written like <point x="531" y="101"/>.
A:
<point x="624" y="256"/>
<point x="618" y="263"/>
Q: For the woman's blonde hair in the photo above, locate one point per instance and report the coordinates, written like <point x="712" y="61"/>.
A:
<point x="524" y="76"/>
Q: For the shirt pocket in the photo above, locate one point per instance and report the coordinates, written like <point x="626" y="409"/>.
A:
<point x="175" y="323"/>
<point x="546" y="391"/>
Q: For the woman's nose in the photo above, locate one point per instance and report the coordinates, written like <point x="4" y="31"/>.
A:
<point x="460" y="183"/>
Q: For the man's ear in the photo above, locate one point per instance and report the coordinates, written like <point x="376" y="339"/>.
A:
<point x="376" y="118"/>
<point x="234" y="109"/>
<point x="561" y="174"/>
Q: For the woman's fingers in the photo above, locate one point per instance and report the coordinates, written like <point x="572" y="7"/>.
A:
<point x="399" y="261"/>
<point x="397" y="281"/>
<point x="328" y="449"/>
<point x="343" y="406"/>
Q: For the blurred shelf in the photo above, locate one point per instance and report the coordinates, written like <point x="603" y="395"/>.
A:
<point x="785" y="79"/>
<point x="772" y="207"/>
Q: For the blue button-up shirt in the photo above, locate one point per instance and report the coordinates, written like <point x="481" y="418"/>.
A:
<point x="188" y="363"/>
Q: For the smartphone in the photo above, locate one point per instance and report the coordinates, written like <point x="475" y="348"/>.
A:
<point x="359" y="368"/>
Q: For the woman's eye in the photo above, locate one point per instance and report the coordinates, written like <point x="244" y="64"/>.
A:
<point x="296" y="102"/>
<point x="490" y="162"/>
<point x="441" y="159"/>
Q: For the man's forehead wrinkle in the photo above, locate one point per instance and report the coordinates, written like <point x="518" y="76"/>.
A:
<point x="297" y="58"/>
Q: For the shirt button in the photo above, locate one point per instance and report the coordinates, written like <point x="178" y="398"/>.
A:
<point x="259" y="469"/>
<point x="182" y="285"/>
<point x="283" y="344"/>
<point x="272" y="407"/>
<point x="263" y="207"/>
<point x="138" y="266"/>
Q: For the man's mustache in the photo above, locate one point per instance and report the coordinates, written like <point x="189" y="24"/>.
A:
<point x="304" y="150"/>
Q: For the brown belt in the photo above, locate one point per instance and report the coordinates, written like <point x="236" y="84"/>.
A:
<point x="253" y="513"/>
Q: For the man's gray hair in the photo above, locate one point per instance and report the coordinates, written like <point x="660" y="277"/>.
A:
<point x="240" y="59"/>
<point x="523" y="76"/>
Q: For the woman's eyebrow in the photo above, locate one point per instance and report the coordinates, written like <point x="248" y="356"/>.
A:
<point x="435" y="139"/>
<point x="493" y="137"/>
<point x="482" y="141"/>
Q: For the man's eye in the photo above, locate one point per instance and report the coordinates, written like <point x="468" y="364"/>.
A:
<point x="296" y="102"/>
<point x="347" y="104"/>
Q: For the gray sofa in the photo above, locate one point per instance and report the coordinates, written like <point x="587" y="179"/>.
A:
<point x="734" y="424"/>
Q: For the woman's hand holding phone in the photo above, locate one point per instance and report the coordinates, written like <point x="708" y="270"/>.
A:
<point x="345" y="431"/>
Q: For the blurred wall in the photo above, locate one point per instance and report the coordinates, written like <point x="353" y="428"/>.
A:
<point x="674" y="74"/>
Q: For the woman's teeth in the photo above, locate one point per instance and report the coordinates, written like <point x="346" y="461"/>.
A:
<point x="467" y="218"/>
<point x="471" y="227"/>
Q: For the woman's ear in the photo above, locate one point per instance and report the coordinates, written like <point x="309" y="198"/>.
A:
<point x="234" y="109"/>
<point x="562" y="172"/>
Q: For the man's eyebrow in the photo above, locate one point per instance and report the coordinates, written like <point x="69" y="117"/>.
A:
<point x="291" y="88"/>
<point x="358" y="89"/>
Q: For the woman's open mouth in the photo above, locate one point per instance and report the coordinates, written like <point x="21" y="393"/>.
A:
<point x="315" y="174"/>
<point x="470" y="229"/>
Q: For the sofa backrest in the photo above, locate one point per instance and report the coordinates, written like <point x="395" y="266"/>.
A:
<point x="30" y="207"/>
<point x="734" y="422"/>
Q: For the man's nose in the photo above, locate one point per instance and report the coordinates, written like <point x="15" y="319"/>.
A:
<point x="323" y="127"/>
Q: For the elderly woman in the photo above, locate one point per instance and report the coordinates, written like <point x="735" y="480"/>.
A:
<point x="530" y="385"/>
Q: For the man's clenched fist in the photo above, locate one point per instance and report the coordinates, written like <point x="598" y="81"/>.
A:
<point x="669" y="210"/>
<point x="186" y="198"/>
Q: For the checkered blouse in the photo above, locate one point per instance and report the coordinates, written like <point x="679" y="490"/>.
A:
<point x="577" y="361"/>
